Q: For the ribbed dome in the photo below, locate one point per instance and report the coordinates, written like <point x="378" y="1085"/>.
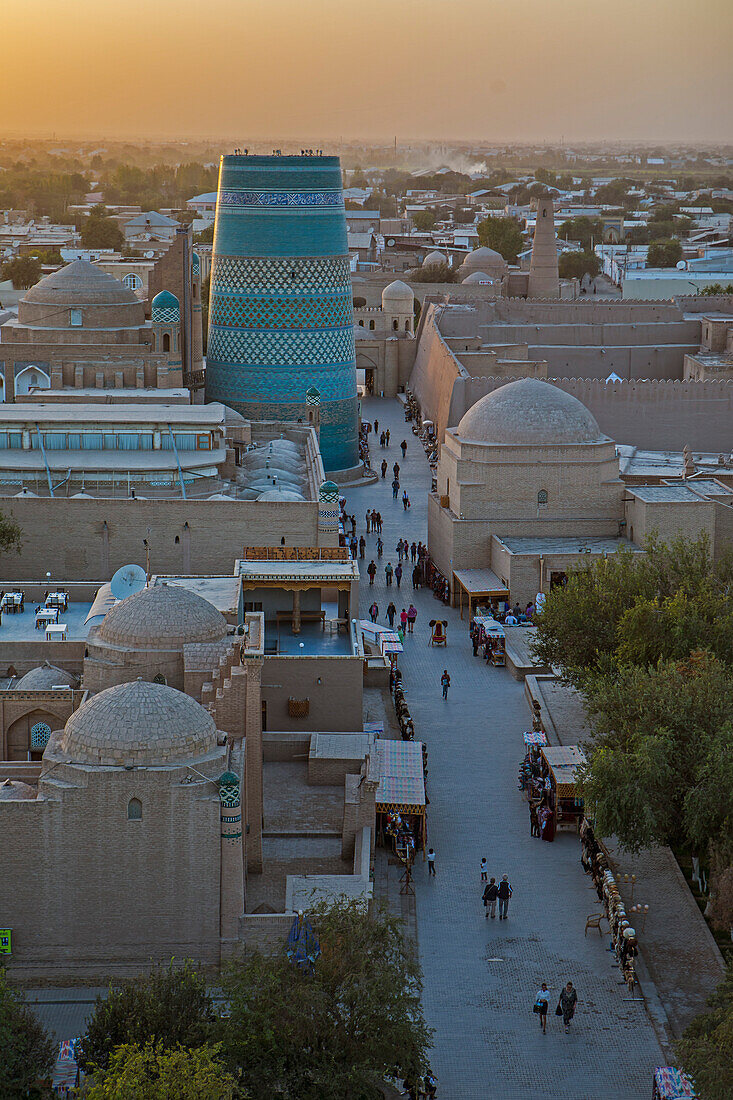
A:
<point x="43" y="677"/>
<point x="398" y="291"/>
<point x="483" y="259"/>
<point x="138" y="723"/>
<point x="80" y="283"/>
<point x="529" y="412"/>
<point x="163" y="616"/>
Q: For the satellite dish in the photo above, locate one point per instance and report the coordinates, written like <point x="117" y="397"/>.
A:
<point x="149" y="255"/>
<point x="681" y="265"/>
<point x="128" y="580"/>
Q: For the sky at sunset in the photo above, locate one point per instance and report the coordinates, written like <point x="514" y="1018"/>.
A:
<point x="317" y="70"/>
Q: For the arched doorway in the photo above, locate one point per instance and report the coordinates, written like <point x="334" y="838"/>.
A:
<point x="31" y="378"/>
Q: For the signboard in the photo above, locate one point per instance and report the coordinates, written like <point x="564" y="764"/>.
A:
<point x="6" y="941"/>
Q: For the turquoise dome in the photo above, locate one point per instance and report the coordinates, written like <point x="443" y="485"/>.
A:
<point x="165" y="307"/>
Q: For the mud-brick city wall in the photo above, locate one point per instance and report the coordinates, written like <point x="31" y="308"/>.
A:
<point x="83" y="539"/>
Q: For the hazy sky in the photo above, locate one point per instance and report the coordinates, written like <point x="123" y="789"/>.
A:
<point x="314" y="70"/>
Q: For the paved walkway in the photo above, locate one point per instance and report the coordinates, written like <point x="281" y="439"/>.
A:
<point x="481" y="976"/>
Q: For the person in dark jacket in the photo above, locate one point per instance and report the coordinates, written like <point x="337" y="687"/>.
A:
<point x="505" y="892"/>
<point x="490" y="894"/>
<point x="568" y="1001"/>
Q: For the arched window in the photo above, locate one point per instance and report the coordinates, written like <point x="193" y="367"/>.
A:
<point x="134" y="810"/>
<point x="371" y="324"/>
<point x="132" y="281"/>
<point x="407" y="325"/>
<point x="152" y="342"/>
<point x="395" y="323"/>
<point x="166" y="341"/>
<point x="542" y="496"/>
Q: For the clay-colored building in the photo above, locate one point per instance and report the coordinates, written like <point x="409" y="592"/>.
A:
<point x="385" y="340"/>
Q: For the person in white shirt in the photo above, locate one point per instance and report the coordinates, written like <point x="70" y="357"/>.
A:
<point x="541" y="1002"/>
<point x="510" y="620"/>
<point x="484" y="870"/>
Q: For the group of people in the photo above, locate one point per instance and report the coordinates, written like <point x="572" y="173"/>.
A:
<point x="566" y="1003"/>
<point x="495" y="893"/>
<point x="407" y="620"/>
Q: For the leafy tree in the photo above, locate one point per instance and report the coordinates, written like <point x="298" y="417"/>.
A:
<point x="423" y="220"/>
<point x="206" y="236"/>
<point x="26" y="1051"/>
<point x="706" y="1048"/>
<point x="24" y="271"/>
<point x="433" y="273"/>
<point x="503" y="235"/>
<point x="574" y="265"/>
<point x="338" y="1033"/>
<point x="717" y="288"/>
<point x="157" y="1073"/>
<point x="99" y="231"/>
<point x="169" y="1006"/>
<point x="664" y="253"/>
<point x="10" y="535"/>
<point x="587" y="231"/>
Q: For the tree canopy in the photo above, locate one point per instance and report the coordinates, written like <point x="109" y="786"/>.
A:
<point x="157" y="1073"/>
<point x="433" y="273"/>
<point x="503" y="235"/>
<point x="335" y="1034"/>
<point x="11" y="536"/>
<point x="26" y="1051"/>
<point x="23" y="271"/>
<point x="423" y="220"/>
<point x="648" y="640"/>
<point x="665" y="252"/>
<point x="169" y="1007"/>
<point x="574" y="265"/>
<point x="587" y="231"/>
<point x="99" y="231"/>
<point x="706" y="1048"/>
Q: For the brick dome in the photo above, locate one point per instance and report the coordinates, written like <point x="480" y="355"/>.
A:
<point x="105" y="302"/>
<point x="138" y="723"/>
<point x="43" y="677"/>
<point x="164" y="616"/>
<point x="530" y="413"/>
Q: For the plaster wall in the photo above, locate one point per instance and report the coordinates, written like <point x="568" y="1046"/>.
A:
<point x="335" y="705"/>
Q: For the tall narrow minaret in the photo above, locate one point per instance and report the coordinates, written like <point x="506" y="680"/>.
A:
<point x="544" y="280"/>
<point x="231" y="901"/>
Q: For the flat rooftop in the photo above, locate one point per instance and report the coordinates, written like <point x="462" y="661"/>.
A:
<point x="222" y="592"/>
<point x="666" y="494"/>
<point x="78" y="414"/>
<point x="567" y="545"/>
<point x="312" y="641"/>
<point x="324" y="572"/>
<point x="22" y="627"/>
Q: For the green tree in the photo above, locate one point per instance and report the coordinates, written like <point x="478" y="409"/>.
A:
<point x="574" y="265"/>
<point x="664" y="253"/>
<point x="706" y="1048"/>
<point x="99" y="231"/>
<point x="433" y="273"/>
<point x="423" y="220"/>
<point x="154" y="1072"/>
<point x="24" y="271"/>
<point x="26" y="1051"/>
<point x="206" y="236"/>
<point x="503" y="235"/>
<point x="717" y="288"/>
<point x="587" y="231"/>
<point x="11" y="535"/>
<point x="336" y="1034"/>
<point x="169" y="1006"/>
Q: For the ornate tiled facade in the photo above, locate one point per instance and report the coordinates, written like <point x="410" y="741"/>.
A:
<point x="281" y="318"/>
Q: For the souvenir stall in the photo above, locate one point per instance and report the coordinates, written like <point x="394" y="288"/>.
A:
<point x="623" y="937"/>
<point x="491" y="638"/>
<point x="563" y="762"/>
<point x="400" y="799"/>
<point x="671" y="1084"/>
<point x="530" y="770"/>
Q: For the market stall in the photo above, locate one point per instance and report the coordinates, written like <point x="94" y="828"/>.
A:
<point x="491" y="639"/>
<point x="563" y="762"/>
<point x="671" y="1084"/>
<point x="477" y="586"/>
<point x="400" y="798"/>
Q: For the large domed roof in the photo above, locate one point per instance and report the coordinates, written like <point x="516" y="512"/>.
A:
<point x="478" y="277"/>
<point x="160" y="617"/>
<point x="529" y="412"/>
<point x="138" y="723"/>
<point x="79" y="283"/>
<point x="398" y="291"/>
<point x="434" y="257"/>
<point x="483" y="259"/>
<point x="43" y="677"/>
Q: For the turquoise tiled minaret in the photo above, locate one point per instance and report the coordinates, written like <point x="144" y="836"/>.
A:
<point x="280" y="310"/>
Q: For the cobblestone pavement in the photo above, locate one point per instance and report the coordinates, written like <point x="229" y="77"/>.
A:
<point x="481" y="976"/>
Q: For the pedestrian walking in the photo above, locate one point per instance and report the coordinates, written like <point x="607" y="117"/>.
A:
<point x="398" y="573"/>
<point x="395" y="489"/>
<point x="396" y="469"/>
<point x="490" y="894"/>
<point x="353" y="525"/>
<point x="368" y="518"/>
<point x="416" y="577"/>
<point x="379" y="522"/>
<point x="362" y="546"/>
<point x="373" y="612"/>
<point x="371" y="571"/>
<point x="403" y="620"/>
<point x="382" y="439"/>
<point x="405" y="500"/>
<point x="403" y="448"/>
<point x="399" y="548"/>
<point x="411" y="617"/>
<point x="384" y="467"/>
<point x="387" y="435"/>
<point x="388" y="573"/>
<point x="505" y="892"/>
<point x="475" y="642"/>
<point x="431" y="861"/>
<point x="380" y="547"/>
<point x="354" y="547"/>
<point x="445" y="682"/>
<point x="376" y="426"/>
<point x="566" y="1004"/>
<point x="391" y="612"/>
<point x="413" y="552"/>
<point x="484" y="870"/>
<point x="541" y="1002"/>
